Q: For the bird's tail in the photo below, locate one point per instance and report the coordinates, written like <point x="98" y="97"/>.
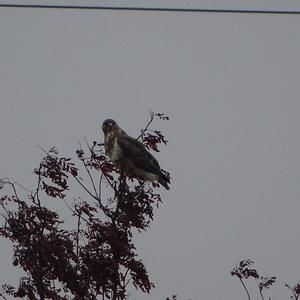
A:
<point x="164" y="179"/>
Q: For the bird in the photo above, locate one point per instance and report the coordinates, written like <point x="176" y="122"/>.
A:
<point x="130" y="155"/>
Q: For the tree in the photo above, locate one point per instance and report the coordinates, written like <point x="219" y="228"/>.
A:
<point x="245" y="270"/>
<point x="96" y="259"/>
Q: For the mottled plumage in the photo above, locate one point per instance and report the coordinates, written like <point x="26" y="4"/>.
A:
<point x="130" y="154"/>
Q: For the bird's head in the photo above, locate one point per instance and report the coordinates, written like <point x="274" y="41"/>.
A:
<point x="109" y="125"/>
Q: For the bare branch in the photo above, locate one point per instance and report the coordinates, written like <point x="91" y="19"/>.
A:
<point x="245" y="288"/>
<point x="2" y="296"/>
<point x="36" y="194"/>
<point x="89" y="173"/>
<point x="100" y="187"/>
<point x="77" y="237"/>
<point x="261" y="294"/>
<point x="152" y="115"/>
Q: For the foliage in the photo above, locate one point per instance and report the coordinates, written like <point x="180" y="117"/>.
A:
<point x="96" y="259"/>
<point x="295" y="291"/>
<point x="243" y="271"/>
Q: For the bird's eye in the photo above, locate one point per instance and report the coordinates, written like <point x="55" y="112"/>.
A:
<point x="110" y="124"/>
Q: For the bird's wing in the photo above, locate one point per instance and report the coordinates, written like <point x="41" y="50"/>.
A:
<point x="136" y="152"/>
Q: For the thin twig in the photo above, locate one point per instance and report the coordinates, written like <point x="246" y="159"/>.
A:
<point x="261" y="294"/>
<point x="12" y="184"/>
<point x="103" y="208"/>
<point x="152" y="115"/>
<point x="88" y="171"/>
<point x="100" y="187"/>
<point x="22" y="186"/>
<point x="107" y="179"/>
<point x="3" y="297"/>
<point x="85" y="188"/>
<point x="245" y="288"/>
<point x="38" y="188"/>
<point x="77" y="238"/>
<point x="100" y="167"/>
<point x="15" y="191"/>
<point x="128" y="280"/>
<point x="292" y="290"/>
<point x="41" y="148"/>
<point x="91" y="178"/>
<point x="76" y="213"/>
<point x="3" y="206"/>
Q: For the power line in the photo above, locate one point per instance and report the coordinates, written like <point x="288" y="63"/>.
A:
<point x="154" y="9"/>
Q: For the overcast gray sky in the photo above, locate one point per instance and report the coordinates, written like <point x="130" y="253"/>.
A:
<point x="230" y="84"/>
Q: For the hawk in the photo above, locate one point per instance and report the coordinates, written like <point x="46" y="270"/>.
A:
<point x="131" y="155"/>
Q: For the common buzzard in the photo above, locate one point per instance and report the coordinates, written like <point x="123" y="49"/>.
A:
<point x="130" y="155"/>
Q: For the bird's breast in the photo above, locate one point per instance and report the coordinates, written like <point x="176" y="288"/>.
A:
<point x="116" y="152"/>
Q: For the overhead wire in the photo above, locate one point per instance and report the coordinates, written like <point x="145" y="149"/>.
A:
<point x="152" y="9"/>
